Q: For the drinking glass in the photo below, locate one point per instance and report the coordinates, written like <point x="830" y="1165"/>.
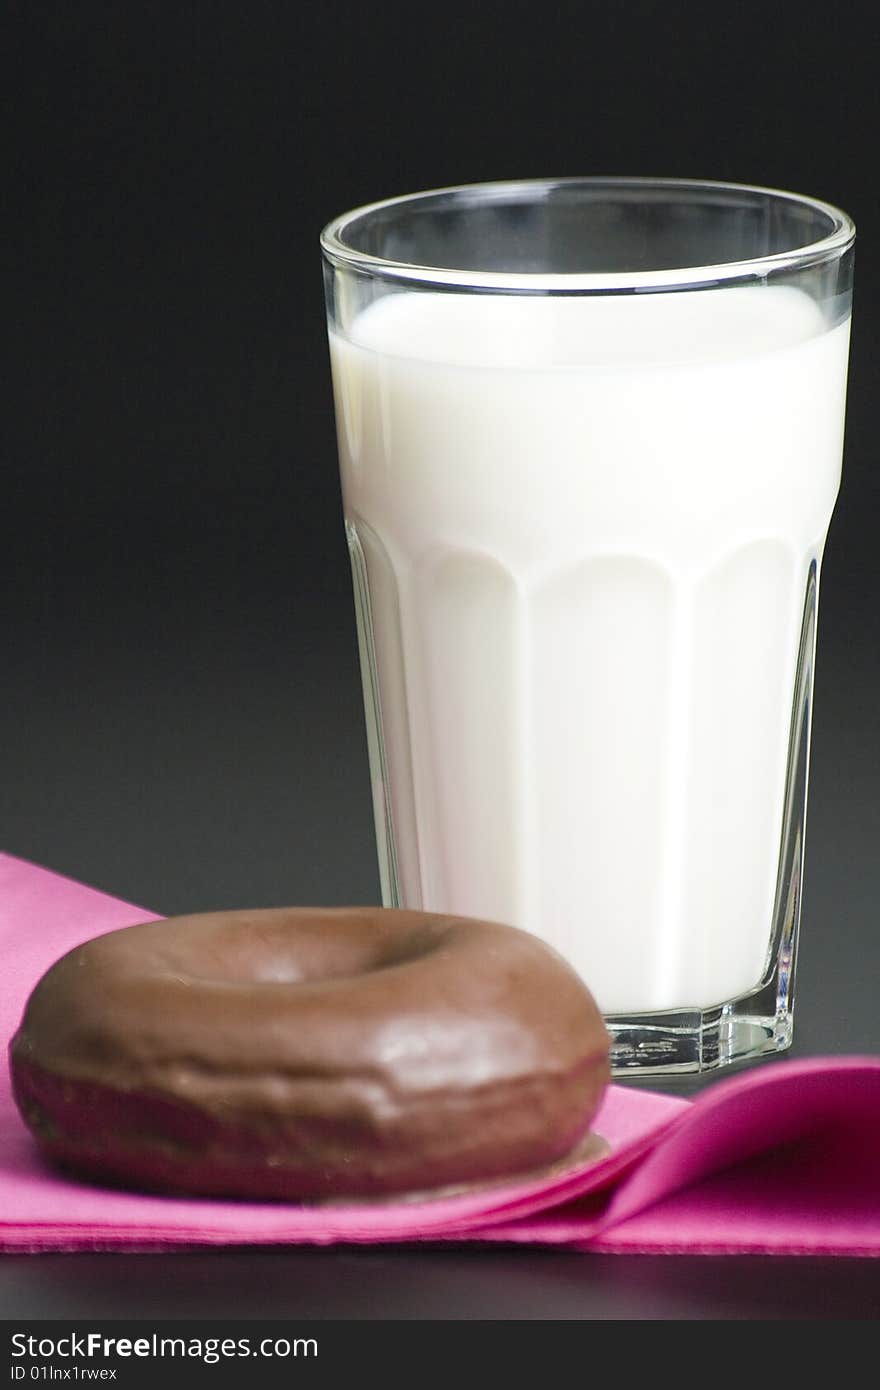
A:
<point x="590" y="437"/>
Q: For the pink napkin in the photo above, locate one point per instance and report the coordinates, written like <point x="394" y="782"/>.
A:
<point x="783" y="1159"/>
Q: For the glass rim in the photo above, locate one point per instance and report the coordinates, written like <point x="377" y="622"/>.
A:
<point x="344" y="256"/>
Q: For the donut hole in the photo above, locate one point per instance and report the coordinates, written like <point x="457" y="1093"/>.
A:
<point x="273" y="952"/>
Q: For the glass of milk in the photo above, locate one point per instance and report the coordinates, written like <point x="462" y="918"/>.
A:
<point x="590" y="438"/>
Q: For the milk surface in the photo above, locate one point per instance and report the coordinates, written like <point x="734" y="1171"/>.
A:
<point x="586" y="528"/>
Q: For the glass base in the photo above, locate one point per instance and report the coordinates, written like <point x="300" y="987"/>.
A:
<point x="696" y="1040"/>
<point x="666" y="1042"/>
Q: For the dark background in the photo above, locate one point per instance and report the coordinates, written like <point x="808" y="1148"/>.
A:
<point x="181" y="721"/>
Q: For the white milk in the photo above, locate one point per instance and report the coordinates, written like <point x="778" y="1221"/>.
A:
<point x="587" y="526"/>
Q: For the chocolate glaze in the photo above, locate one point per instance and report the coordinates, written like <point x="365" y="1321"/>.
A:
<point x="305" y="1053"/>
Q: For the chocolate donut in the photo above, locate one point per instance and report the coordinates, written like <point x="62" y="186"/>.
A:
<point x="309" y="1053"/>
